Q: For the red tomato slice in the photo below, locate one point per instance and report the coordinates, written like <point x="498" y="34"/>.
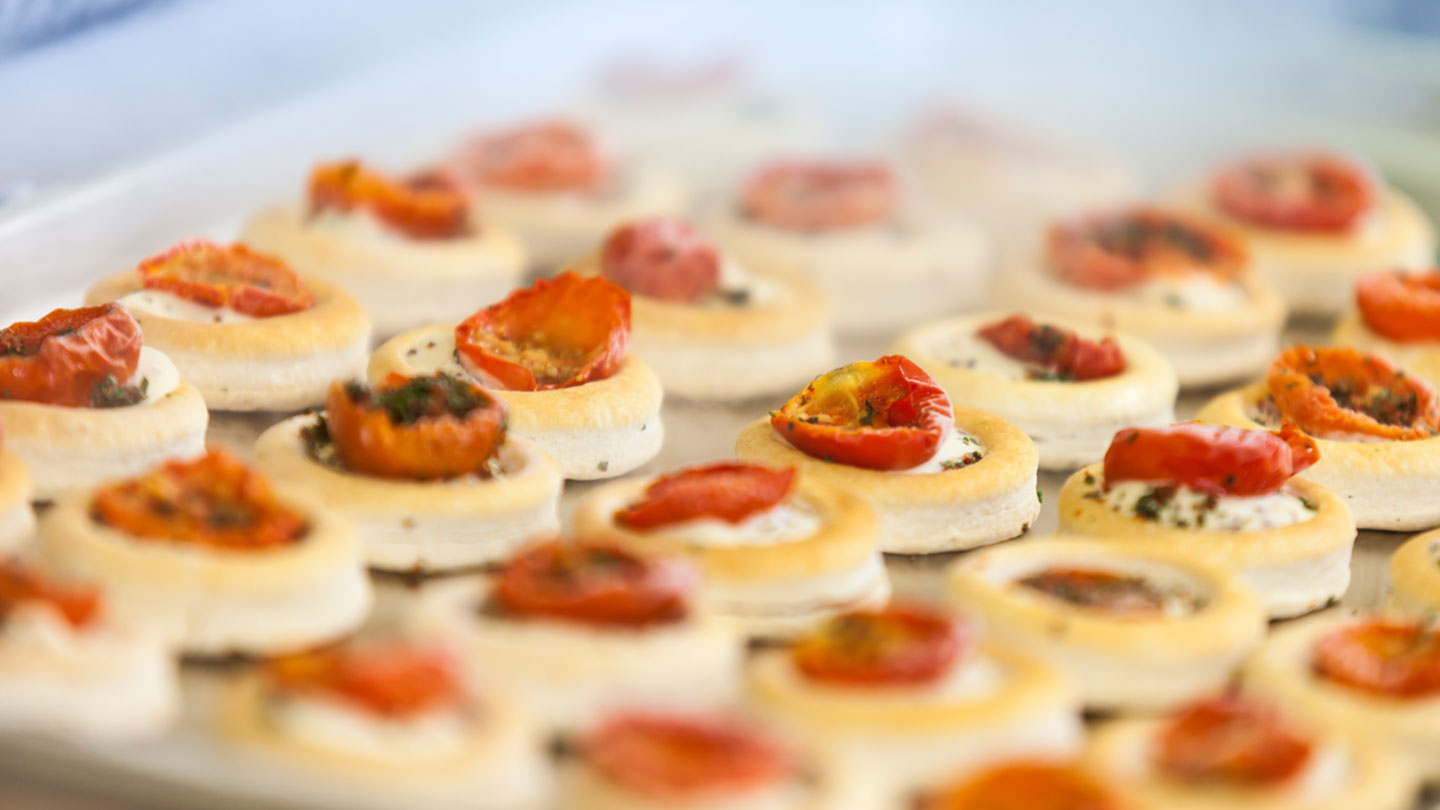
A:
<point x="1401" y="306"/>
<point x="1388" y="657"/>
<point x="235" y="277"/>
<point x="885" y="415"/>
<point x="897" y="646"/>
<point x="729" y="491"/>
<point x="1233" y="740"/>
<point x="594" y="584"/>
<point x="425" y="206"/>
<point x="1094" y="589"/>
<point x="1119" y="249"/>
<point x="62" y="358"/>
<point x="19" y="584"/>
<point x="392" y="681"/>
<point x="559" y="333"/>
<point x="1060" y="353"/>
<point x="1332" y="390"/>
<point x="1301" y="192"/>
<point x="820" y="196"/>
<point x="661" y="258"/>
<point x="1027" y="786"/>
<point x="548" y="156"/>
<point x="683" y="758"/>
<point x="1211" y="458"/>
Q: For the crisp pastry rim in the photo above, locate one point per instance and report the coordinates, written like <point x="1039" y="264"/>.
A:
<point x="132" y="427"/>
<point x="1415" y="571"/>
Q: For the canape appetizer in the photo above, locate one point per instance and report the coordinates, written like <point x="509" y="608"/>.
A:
<point x="17" y="521"/>
<point x="410" y="249"/>
<point x="1068" y="389"/>
<point x="1233" y="753"/>
<point x="1026" y="785"/>
<point x="778" y="554"/>
<point x="384" y="725"/>
<point x="1133" y="628"/>
<point x="84" y="401"/>
<point x="208" y="551"/>
<point x="1415" y="576"/>
<point x="940" y="479"/>
<point x="241" y="327"/>
<point x="1397" y="316"/>
<point x="423" y="468"/>
<point x="555" y="355"/>
<point x="1377" y="428"/>
<point x="1225" y="496"/>
<point x="1184" y="285"/>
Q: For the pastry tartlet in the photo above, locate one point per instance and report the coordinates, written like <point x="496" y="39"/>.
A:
<point x="84" y="401"/>
<point x="1069" y="389"/>
<point x="1185" y="286"/>
<point x="206" y="551"/>
<point x="883" y="260"/>
<point x="1415" y="576"/>
<point x="1397" y="316"/>
<point x="1377" y="427"/>
<point x="1225" y="497"/>
<point x="555" y="355"/>
<point x="17" y="520"/>
<point x="777" y="554"/>
<point x="423" y="469"/>
<point x="410" y="250"/>
<point x="939" y="479"/>
<point x="1026" y="785"/>
<point x="710" y="327"/>
<point x="242" y="328"/>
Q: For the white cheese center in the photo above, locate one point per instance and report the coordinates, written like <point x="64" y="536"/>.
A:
<point x="1197" y="291"/>
<point x="158" y="374"/>
<point x="1191" y="508"/>
<point x="785" y="522"/>
<point x="952" y="454"/>
<point x="967" y="350"/>
<point x="333" y="724"/>
<point x="168" y="305"/>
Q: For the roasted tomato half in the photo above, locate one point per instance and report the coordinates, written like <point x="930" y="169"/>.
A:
<point x="392" y="681"/>
<point x="680" y="758"/>
<point x="885" y="415"/>
<point x="729" y="491"/>
<point x="1334" y="391"/>
<point x="549" y="156"/>
<point x="1388" y="657"/>
<point x="1302" y="192"/>
<point x="69" y="356"/>
<point x="21" y="584"/>
<point x="661" y="258"/>
<point x="418" y="428"/>
<point x="1401" y="306"/>
<point x="1095" y="589"/>
<point x="215" y="500"/>
<point x="559" y="333"/>
<point x="820" y="196"/>
<point x="1059" y="353"/>
<point x="234" y="277"/>
<point x="424" y="206"/>
<point x="1115" y="250"/>
<point x="594" y="584"/>
<point x="901" y="645"/>
<point x="1230" y="740"/>
<point x="1211" y="458"/>
<point x="1027" y="786"/>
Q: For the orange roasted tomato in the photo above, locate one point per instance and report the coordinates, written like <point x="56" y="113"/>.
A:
<point x="418" y="428"/>
<point x="71" y="357"/>
<point x="1124" y="595"/>
<point x="902" y="645"/>
<point x="1334" y="391"/>
<point x="679" y="758"/>
<point x="215" y="501"/>
<point x="594" y="584"/>
<point x="1027" y="786"/>
<point x="1301" y="192"/>
<point x="1059" y="353"/>
<point x="1120" y="249"/>
<point x="1211" y="458"/>
<point x="1387" y="657"/>
<point x="729" y="491"/>
<point x="425" y="206"/>
<point x="235" y="277"/>
<point x="559" y="333"/>
<point x="1401" y="306"/>
<point x="20" y="584"/>
<point x="391" y="680"/>
<point x="885" y="415"/>
<point x="661" y="258"/>
<point x="1230" y="740"/>
<point x="820" y="196"/>
<point x="549" y="156"/>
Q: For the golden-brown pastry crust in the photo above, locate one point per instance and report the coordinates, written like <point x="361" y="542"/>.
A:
<point x="1415" y="575"/>
<point x="17" y="522"/>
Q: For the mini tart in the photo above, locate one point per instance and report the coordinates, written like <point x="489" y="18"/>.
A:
<point x="1117" y="662"/>
<point x="984" y="502"/>
<point x="1415" y="575"/>
<point x="1421" y="357"/>
<point x="1294" y="568"/>
<point x="1071" y="422"/>
<point x="1387" y="485"/>
<point x="17" y="521"/>
<point x="766" y="588"/>
<point x="278" y="363"/>
<point x="424" y="525"/>
<point x="600" y="429"/>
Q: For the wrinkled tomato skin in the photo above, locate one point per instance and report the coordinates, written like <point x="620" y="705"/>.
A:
<point x="902" y="645"/>
<point x="1058" y="350"/>
<point x="79" y="605"/>
<point x="1027" y="786"/>
<point x="59" y="359"/>
<point x="594" y="584"/>
<point x="1400" y="306"/>
<point x="731" y="492"/>
<point x="820" y="196"/>
<point x="371" y="443"/>
<point x="1390" y="658"/>
<point x="679" y="758"/>
<point x="427" y="206"/>
<point x="661" y="258"/>
<point x="1339" y="193"/>
<point x="1211" y="458"/>
<point x="235" y="277"/>
<point x="1303" y="382"/>
<point x="391" y="681"/>
<point x="1115" y="250"/>
<point x="1230" y="740"/>
<point x="546" y="157"/>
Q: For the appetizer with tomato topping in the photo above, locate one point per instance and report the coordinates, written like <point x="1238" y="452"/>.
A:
<point x="410" y="249"/>
<point x="1397" y="316"/>
<point x="940" y="478"/>
<point x="211" y="553"/>
<point x="556" y="355"/>
<point x="1068" y="388"/>
<point x="241" y="326"/>
<point x="17" y="520"/>
<point x="423" y="467"/>
<point x="1135" y="629"/>
<point x="1415" y="576"/>
<point x="1027" y="785"/>
<point x="1377" y="428"/>
<point x="883" y="259"/>
<point x="1226" y="496"/>
<point x="1185" y="285"/>
<point x="896" y="700"/>
<point x="778" y="553"/>
<point x="84" y="400"/>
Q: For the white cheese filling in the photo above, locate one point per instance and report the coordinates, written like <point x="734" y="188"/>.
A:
<point x="736" y="279"/>
<point x="168" y="305"/>
<point x="1196" y="291"/>
<point x="356" y="226"/>
<point x="435" y="355"/>
<point x="785" y="522"/>
<point x="331" y="723"/>
<point x="967" y="350"/>
<point x="1192" y="508"/>
<point x="959" y="449"/>
<point x="156" y="373"/>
